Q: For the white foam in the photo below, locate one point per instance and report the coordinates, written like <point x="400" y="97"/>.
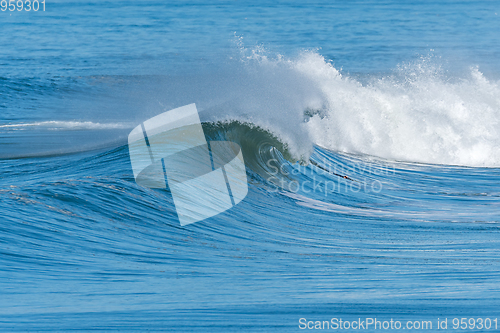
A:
<point x="416" y="114"/>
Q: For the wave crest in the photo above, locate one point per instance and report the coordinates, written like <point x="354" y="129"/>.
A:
<point x="417" y="113"/>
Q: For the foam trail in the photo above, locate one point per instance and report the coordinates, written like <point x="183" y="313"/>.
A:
<point x="69" y="125"/>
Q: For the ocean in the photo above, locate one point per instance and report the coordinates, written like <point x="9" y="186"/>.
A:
<point x="370" y="132"/>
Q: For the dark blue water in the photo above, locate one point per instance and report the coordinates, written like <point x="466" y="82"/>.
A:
<point x="403" y="98"/>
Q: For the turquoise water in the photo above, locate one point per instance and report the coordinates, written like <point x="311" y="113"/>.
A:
<point x="402" y="98"/>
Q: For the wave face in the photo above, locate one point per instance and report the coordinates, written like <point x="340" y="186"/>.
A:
<point x="383" y="183"/>
<point x="80" y="239"/>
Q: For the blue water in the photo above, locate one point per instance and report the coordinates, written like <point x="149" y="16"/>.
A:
<point x="403" y="98"/>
